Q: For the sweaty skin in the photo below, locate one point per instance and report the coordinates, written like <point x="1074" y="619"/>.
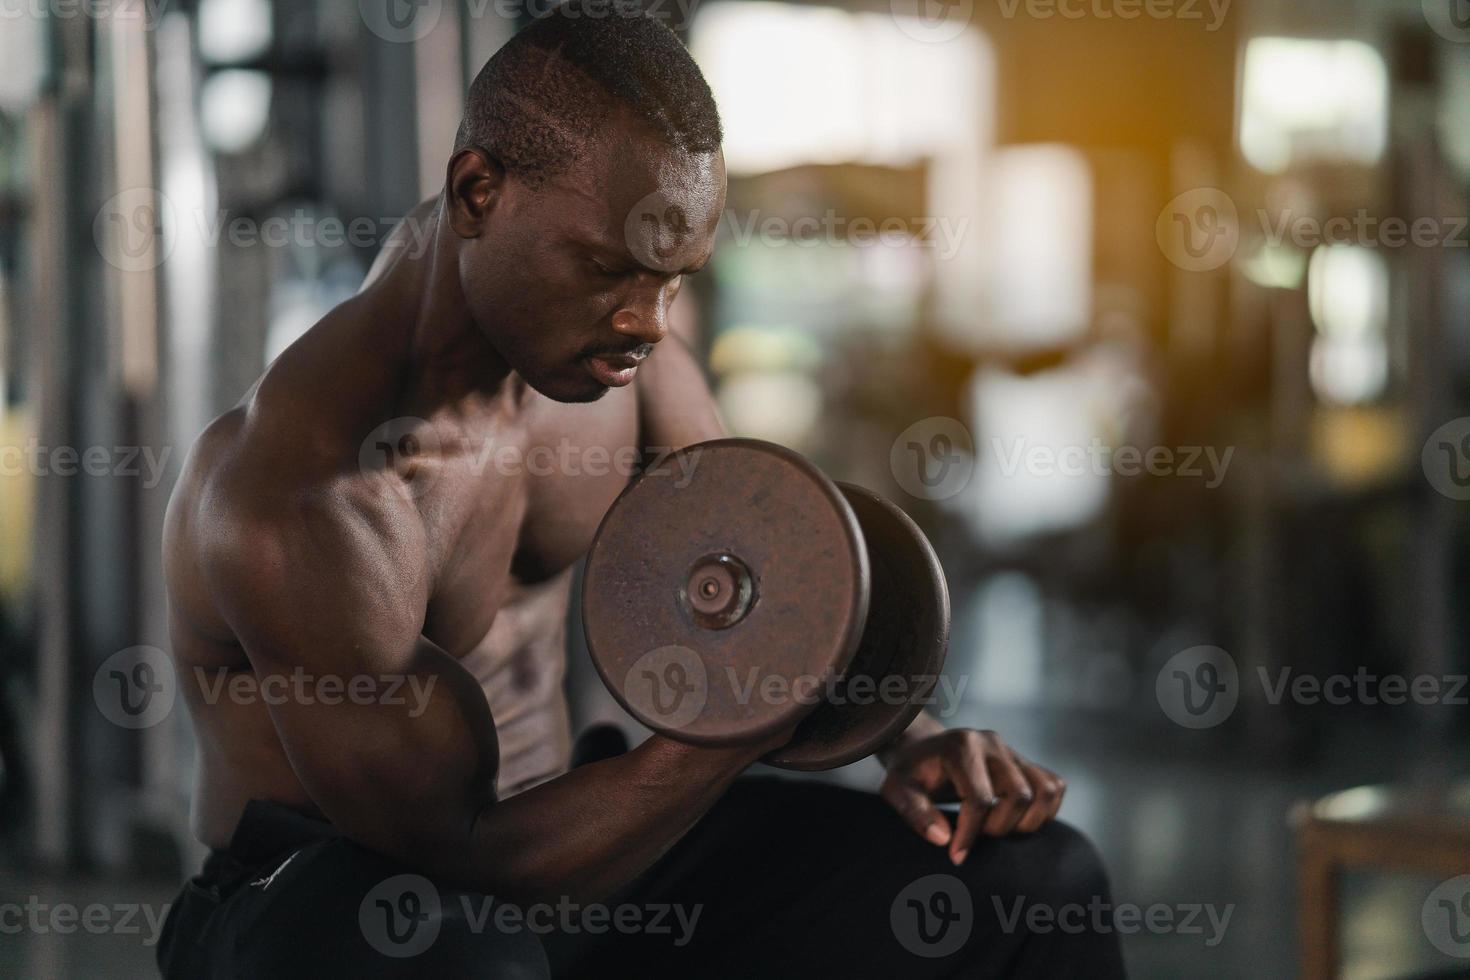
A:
<point x="439" y="588"/>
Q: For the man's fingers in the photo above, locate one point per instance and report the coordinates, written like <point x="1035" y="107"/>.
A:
<point x="1015" y="792"/>
<point x="917" y="810"/>
<point x="964" y="763"/>
<point x="1061" y="793"/>
<point x="971" y="822"/>
<point x="1048" y="789"/>
<point x="999" y="792"/>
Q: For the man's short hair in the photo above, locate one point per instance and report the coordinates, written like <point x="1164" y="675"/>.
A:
<point x="539" y="101"/>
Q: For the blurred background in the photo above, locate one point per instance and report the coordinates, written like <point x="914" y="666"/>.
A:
<point x="1155" y="315"/>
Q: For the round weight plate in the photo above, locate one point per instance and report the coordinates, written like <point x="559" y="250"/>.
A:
<point x="724" y="588"/>
<point x="901" y="652"/>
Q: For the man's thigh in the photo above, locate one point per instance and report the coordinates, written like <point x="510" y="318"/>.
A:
<point x="787" y="877"/>
<point x="334" y="908"/>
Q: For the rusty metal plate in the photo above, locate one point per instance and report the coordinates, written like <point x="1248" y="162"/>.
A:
<point x="723" y="588"/>
<point x="902" y="651"/>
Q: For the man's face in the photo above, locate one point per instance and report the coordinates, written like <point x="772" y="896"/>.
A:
<point x="572" y="281"/>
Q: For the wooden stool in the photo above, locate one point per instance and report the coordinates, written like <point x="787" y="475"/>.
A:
<point x="1387" y="828"/>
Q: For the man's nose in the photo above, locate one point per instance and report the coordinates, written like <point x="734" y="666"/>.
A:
<point x="644" y="318"/>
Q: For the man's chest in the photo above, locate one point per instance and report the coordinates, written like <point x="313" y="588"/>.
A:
<point x="514" y="509"/>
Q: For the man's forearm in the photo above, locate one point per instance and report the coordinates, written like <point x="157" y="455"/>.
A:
<point x="586" y="834"/>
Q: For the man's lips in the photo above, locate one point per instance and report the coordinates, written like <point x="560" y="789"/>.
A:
<point x="614" y="370"/>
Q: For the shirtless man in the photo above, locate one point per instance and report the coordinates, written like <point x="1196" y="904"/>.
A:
<point x="340" y="825"/>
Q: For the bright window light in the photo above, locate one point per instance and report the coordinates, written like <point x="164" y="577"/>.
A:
<point x="1011" y="658"/>
<point x="1020" y="489"/>
<point x="232" y="31"/>
<point x="1041" y="269"/>
<point x="1347" y="294"/>
<point x="23" y="52"/>
<point x="833" y="87"/>
<point x="1306" y="100"/>
<point x="234" y="109"/>
<point x="779" y="406"/>
<point x="1349" y="370"/>
<point x="1347" y="291"/>
<point x="767" y="349"/>
<point x="1454" y="110"/>
<point x="1275" y="266"/>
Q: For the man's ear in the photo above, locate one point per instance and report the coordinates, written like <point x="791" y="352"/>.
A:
<point x="473" y="186"/>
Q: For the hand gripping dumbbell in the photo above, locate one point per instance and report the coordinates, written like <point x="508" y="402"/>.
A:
<point x="736" y="591"/>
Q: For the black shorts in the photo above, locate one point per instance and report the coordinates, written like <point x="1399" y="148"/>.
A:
<point x="291" y="897"/>
<point x="782" y="878"/>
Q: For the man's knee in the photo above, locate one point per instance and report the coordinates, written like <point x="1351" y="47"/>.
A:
<point x="1075" y="869"/>
<point x="472" y="942"/>
<point x="1042" y="903"/>
<point x="1057" y="865"/>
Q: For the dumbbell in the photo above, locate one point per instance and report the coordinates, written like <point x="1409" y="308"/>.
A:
<point x="735" y="591"/>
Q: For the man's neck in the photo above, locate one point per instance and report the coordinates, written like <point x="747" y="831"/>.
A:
<point x="448" y="361"/>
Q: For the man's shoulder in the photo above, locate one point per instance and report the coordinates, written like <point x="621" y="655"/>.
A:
<point x="269" y="494"/>
<point x="259" y="459"/>
<point x="296" y="435"/>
